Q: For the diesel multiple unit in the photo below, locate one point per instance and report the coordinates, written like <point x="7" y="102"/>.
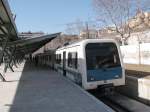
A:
<point x="91" y="63"/>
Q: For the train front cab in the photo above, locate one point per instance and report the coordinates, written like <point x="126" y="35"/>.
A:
<point x="104" y="65"/>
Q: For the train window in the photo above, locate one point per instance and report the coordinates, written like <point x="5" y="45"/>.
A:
<point x="72" y="60"/>
<point x="102" y="55"/>
<point x="58" y="58"/>
<point x="50" y="58"/>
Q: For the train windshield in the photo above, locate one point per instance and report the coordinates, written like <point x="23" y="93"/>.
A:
<point x="102" y="56"/>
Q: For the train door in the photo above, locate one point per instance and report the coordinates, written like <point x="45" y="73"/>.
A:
<point x="64" y="63"/>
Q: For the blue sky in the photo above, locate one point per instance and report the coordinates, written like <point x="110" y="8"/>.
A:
<point x="49" y="16"/>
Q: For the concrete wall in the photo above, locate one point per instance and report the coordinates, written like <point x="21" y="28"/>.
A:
<point x="132" y="55"/>
<point x="143" y="37"/>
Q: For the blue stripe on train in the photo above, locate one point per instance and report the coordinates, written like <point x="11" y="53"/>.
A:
<point x="100" y="74"/>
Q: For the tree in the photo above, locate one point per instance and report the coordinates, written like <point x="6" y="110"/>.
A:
<point x="75" y="27"/>
<point x="116" y="13"/>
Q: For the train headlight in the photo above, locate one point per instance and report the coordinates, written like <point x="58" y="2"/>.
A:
<point x="116" y="76"/>
<point x="92" y="78"/>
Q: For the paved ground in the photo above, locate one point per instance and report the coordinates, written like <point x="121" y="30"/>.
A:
<point x="31" y="89"/>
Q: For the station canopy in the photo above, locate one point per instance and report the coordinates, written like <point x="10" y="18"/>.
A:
<point x="7" y="26"/>
<point x="30" y="45"/>
<point x="13" y="48"/>
<point x="9" y="34"/>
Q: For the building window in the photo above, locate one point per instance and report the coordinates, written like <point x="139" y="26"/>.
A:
<point x="72" y="60"/>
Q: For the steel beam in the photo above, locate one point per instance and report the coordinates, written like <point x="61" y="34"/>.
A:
<point x="11" y="59"/>
<point x="1" y="20"/>
<point x="3" y="50"/>
<point x="2" y="77"/>
<point x="3" y="30"/>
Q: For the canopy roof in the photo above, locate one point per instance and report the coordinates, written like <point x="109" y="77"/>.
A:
<point x="28" y="46"/>
<point x="12" y="48"/>
<point x="7" y="26"/>
<point x="9" y="33"/>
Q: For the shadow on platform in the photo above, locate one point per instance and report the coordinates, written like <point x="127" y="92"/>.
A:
<point x="32" y="87"/>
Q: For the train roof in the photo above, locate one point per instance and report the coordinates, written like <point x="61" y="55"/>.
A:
<point x="81" y="42"/>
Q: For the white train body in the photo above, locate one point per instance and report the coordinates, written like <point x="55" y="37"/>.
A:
<point x="92" y="63"/>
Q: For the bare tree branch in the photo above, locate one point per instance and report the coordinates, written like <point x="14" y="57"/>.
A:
<point x="116" y="13"/>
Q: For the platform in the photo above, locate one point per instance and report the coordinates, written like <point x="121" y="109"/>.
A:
<point x="31" y="89"/>
<point x="137" y="82"/>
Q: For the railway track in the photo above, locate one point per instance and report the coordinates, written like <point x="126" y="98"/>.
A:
<point x="138" y="74"/>
<point x="114" y="105"/>
<point x="121" y="103"/>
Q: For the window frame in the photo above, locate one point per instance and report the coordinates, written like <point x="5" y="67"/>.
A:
<point x="72" y="61"/>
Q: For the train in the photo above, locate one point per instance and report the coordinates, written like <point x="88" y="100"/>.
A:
<point x="91" y="63"/>
<point x="45" y="59"/>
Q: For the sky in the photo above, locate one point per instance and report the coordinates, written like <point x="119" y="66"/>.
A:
<point x="49" y="16"/>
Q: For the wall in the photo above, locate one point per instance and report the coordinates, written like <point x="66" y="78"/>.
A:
<point x="142" y="36"/>
<point x="132" y="55"/>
